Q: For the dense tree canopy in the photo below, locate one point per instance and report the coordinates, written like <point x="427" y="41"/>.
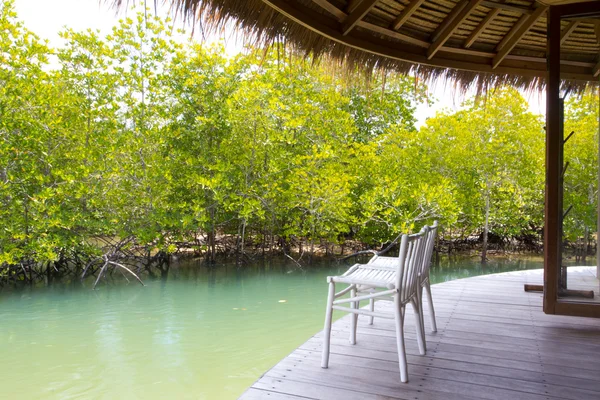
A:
<point x="135" y="136"/>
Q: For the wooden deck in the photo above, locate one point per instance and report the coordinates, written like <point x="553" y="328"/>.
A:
<point x="583" y="278"/>
<point x="493" y="342"/>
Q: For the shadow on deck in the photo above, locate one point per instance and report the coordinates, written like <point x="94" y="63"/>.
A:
<point x="493" y="342"/>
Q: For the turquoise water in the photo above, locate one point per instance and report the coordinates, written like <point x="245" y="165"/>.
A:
<point x="203" y="333"/>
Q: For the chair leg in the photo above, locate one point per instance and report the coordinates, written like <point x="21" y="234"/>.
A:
<point x="421" y="314"/>
<point x="372" y="309"/>
<point x="431" y="310"/>
<point x="418" y="321"/>
<point x="354" y="320"/>
<point x="399" y="320"/>
<point x="327" y="328"/>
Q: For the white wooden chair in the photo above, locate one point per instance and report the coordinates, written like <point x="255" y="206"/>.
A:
<point x="424" y="281"/>
<point x="424" y="276"/>
<point x="371" y="282"/>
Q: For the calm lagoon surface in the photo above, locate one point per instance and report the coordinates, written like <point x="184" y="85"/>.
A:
<point x="201" y="333"/>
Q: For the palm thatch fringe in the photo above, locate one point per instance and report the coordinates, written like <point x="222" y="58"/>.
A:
<point x="261" y="25"/>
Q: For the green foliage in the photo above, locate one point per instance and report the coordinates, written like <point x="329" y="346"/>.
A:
<point x="134" y="135"/>
<point x="581" y="177"/>
<point x="380" y="103"/>
<point x="288" y="151"/>
<point x="492" y="151"/>
<point x="36" y="178"/>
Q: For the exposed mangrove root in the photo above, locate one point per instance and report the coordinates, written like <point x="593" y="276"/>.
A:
<point x="128" y="257"/>
<point x="119" y="251"/>
<point x="104" y="268"/>
<point x="297" y="262"/>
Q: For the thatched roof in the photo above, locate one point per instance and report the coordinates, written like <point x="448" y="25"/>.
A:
<point x="472" y="42"/>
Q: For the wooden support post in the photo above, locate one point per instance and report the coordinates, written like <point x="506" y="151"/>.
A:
<point x="552" y="209"/>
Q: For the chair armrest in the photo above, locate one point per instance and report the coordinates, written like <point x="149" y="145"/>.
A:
<point x="366" y="282"/>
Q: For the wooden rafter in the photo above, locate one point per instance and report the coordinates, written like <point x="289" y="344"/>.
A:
<point x="512" y="32"/>
<point x="597" y="30"/>
<point x="596" y="70"/>
<point x="507" y="7"/>
<point x="358" y="12"/>
<point x="451" y="27"/>
<point x="481" y="27"/>
<point x="406" y="13"/>
<point x="448" y="20"/>
<point x="333" y="10"/>
<point x="518" y="35"/>
<point x="394" y="34"/>
<point x="461" y="59"/>
<point x="317" y="26"/>
<point x="352" y="4"/>
<point x="342" y="16"/>
<point x="564" y="34"/>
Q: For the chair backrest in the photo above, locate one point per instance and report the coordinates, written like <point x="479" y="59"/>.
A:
<point x="412" y="251"/>
<point x="430" y="235"/>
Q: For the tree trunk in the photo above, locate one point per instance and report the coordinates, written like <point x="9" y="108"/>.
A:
<point x="264" y="240"/>
<point x="211" y="237"/>
<point x="586" y="239"/>
<point x="486" y="225"/>
<point x="272" y="245"/>
<point x="243" y="235"/>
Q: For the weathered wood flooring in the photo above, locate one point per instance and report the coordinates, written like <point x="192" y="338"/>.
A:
<point x="493" y="342"/>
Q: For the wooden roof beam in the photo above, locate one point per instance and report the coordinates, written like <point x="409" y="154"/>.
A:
<point x="333" y="10"/>
<point x="451" y="26"/>
<point x="518" y="34"/>
<point x="596" y="70"/>
<point x="448" y="20"/>
<point x="564" y="34"/>
<point x="511" y="33"/>
<point x="507" y="7"/>
<point x="352" y="4"/>
<point x="330" y="29"/>
<point x="406" y="13"/>
<point x="358" y="12"/>
<point x="597" y="30"/>
<point x="481" y="27"/>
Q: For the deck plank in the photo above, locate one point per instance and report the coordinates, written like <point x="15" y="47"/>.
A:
<point x="493" y="342"/>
